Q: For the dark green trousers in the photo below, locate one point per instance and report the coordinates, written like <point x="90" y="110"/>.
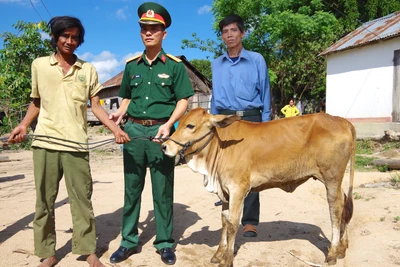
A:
<point x="49" y="167"/>
<point x="138" y="155"/>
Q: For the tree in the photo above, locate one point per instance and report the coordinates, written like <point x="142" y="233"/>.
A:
<point x="291" y="34"/>
<point x="19" y="50"/>
<point x="204" y="66"/>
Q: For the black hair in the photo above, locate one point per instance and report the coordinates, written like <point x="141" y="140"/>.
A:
<point x="59" y="24"/>
<point x="232" y="19"/>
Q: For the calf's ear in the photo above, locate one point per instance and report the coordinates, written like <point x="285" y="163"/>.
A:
<point x="223" y="120"/>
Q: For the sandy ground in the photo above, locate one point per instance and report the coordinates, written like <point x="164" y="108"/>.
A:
<point x="294" y="227"/>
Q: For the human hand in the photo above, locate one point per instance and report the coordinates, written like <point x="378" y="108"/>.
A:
<point x="116" y="117"/>
<point x="121" y="137"/>
<point x="18" y="134"/>
<point x="163" y="133"/>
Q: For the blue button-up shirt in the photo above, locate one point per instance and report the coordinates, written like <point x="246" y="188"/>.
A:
<point x="241" y="85"/>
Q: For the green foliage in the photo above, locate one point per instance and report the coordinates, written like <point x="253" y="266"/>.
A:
<point x="357" y="195"/>
<point x="25" y="145"/>
<point x="383" y="168"/>
<point x="371" y="9"/>
<point x="391" y="145"/>
<point x="204" y="66"/>
<point x="103" y="130"/>
<point x="19" y="50"/>
<point x="364" y="147"/>
<point x="396" y="219"/>
<point x="291" y="34"/>
<point x="363" y="163"/>
<point x="395" y="180"/>
<point x="207" y="45"/>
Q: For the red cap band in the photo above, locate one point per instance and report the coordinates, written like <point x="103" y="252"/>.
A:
<point x="150" y="15"/>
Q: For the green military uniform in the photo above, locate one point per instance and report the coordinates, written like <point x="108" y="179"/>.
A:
<point x="154" y="91"/>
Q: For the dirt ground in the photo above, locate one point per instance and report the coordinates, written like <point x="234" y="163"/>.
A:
<point x="294" y="228"/>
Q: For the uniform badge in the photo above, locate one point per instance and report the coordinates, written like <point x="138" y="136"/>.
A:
<point x="150" y="13"/>
<point x="81" y="78"/>
<point x="136" y="76"/>
<point x="163" y="76"/>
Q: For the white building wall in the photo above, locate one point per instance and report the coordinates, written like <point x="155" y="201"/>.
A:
<point x="360" y="81"/>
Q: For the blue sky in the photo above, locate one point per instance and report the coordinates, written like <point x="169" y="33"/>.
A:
<point x="112" y="30"/>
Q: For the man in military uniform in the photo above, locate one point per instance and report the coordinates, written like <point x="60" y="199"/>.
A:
<point x="155" y="89"/>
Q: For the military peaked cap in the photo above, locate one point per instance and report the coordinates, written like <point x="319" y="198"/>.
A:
<point x="153" y="13"/>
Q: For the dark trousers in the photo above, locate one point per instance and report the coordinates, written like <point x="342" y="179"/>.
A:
<point x="138" y="155"/>
<point x="251" y="210"/>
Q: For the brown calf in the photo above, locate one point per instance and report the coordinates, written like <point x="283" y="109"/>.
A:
<point x="237" y="157"/>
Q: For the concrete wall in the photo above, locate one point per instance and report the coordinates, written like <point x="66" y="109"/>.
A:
<point x="360" y="82"/>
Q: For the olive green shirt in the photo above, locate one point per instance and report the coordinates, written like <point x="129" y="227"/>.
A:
<point x="154" y="89"/>
<point x="63" y="102"/>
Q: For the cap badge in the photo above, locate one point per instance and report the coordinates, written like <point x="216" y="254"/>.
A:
<point x="150" y="13"/>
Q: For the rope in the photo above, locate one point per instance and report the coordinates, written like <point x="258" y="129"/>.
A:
<point x="79" y="145"/>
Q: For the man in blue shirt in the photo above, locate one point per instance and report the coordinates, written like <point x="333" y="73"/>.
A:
<point x="241" y="87"/>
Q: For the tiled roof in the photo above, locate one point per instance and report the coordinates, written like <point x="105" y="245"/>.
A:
<point x="114" y="81"/>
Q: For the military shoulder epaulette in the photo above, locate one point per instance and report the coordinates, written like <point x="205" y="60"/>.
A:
<point x="133" y="58"/>
<point x="174" y="58"/>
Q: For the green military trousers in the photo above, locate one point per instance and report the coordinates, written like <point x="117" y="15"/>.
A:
<point x="138" y="155"/>
<point x="49" y="168"/>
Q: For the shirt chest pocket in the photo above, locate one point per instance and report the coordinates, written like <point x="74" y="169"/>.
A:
<point x="79" y="93"/>
<point x="136" y="82"/>
<point x="164" y="88"/>
<point x="136" y="87"/>
<point x="247" y="86"/>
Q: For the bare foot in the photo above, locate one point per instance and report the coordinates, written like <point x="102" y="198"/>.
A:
<point x="49" y="262"/>
<point x="94" y="261"/>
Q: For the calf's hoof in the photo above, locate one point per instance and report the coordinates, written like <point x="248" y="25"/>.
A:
<point x="214" y="259"/>
<point x="331" y="261"/>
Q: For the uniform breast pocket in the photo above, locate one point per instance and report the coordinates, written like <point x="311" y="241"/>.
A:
<point x="164" y="88"/>
<point x="136" y="82"/>
<point x="136" y="87"/>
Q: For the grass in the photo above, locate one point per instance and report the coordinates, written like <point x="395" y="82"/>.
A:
<point x="365" y="147"/>
<point x="103" y="130"/>
<point x="363" y="163"/>
<point x="358" y="196"/>
<point x="25" y="145"/>
<point x="396" y="219"/>
<point x="391" y="145"/>
<point x="395" y="180"/>
<point x="383" y="168"/>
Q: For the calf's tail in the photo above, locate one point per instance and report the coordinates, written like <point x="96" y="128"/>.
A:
<point x="348" y="200"/>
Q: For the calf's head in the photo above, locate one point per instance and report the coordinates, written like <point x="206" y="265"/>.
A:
<point x="194" y="129"/>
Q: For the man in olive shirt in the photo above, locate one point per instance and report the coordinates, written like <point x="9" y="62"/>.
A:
<point x="155" y="89"/>
<point x="62" y="84"/>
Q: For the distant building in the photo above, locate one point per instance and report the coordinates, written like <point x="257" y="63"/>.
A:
<point x="363" y="74"/>
<point x="201" y="85"/>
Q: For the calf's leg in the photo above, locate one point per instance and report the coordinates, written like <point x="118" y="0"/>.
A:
<point x="338" y="245"/>
<point x="232" y="225"/>
<point x="222" y="242"/>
